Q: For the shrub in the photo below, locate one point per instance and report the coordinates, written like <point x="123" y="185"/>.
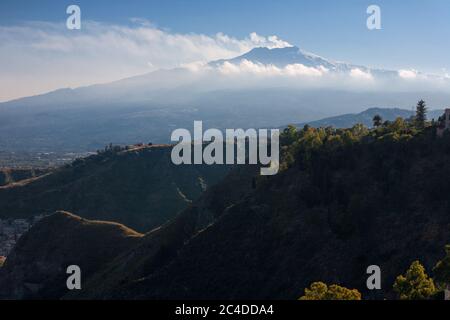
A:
<point x="415" y="284"/>
<point x="320" y="291"/>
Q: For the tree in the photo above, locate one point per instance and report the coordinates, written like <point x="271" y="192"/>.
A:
<point x="442" y="271"/>
<point x="415" y="284"/>
<point x="398" y="125"/>
<point x="320" y="291"/>
<point x="359" y="130"/>
<point x="421" y="114"/>
<point x="377" y="121"/>
<point x="289" y="135"/>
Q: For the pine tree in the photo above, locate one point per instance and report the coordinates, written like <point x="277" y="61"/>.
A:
<point x="377" y="121"/>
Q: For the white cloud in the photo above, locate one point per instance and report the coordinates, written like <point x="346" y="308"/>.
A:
<point x="270" y="42"/>
<point x="357" y="73"/>
<point x="249" y="67"/>
<point x="407" y="74"/>
<point x="37" y="56"/>
<point x="302" y="70"/>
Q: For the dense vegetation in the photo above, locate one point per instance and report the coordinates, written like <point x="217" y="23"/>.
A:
<point x="344" y="199"/>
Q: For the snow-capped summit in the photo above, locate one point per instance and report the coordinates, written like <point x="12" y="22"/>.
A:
<point x="281" y="57"/>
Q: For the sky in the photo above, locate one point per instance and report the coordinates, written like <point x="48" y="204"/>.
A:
<point x="124" y="38"/>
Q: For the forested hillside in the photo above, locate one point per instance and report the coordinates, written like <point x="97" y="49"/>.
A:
<point x="344" y="199"/>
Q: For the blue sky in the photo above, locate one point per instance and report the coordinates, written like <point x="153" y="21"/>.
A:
<point x="414" y="34"/>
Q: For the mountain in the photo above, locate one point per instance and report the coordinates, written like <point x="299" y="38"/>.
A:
<point x="138" y="186"/>
<point x="149" y="107"/>
<point x="281" y="57"/>
<point x="340" y="206"/>
<point x="366" y="117"/>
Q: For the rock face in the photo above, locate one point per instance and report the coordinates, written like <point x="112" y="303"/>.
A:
<point x="36" y="268"/>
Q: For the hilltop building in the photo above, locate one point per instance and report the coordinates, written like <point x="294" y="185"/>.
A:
<point x="443" y="123"/>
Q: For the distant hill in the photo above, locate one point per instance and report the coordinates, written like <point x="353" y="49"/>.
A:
<point x="139" y="187"/>
<point x="365" y="117"/>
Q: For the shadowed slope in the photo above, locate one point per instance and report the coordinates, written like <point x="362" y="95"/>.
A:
<point x="139" y="187"/>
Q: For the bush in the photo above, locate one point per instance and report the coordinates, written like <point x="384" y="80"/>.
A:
<point x="415" y="284"/>
<point x="320" y="291"/>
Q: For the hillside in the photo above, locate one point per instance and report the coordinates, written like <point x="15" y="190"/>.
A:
<point x="139" y="187"/>
<point x="40" y="259"/>
<point x="345" y="199"/>
<point x="366" y="117"/>
<point x="330" y="215"/>
<point x="12" y="175"/>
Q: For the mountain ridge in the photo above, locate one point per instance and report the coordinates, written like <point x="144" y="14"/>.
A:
<point x="366" y="117"/>
<point x="106" y="187"/>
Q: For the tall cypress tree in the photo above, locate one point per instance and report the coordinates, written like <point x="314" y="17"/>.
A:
<point x="421" y="114"/>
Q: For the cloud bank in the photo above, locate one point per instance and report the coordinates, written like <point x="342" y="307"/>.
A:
<point x="252" y="68"/>
<point x="36" y="57"/>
